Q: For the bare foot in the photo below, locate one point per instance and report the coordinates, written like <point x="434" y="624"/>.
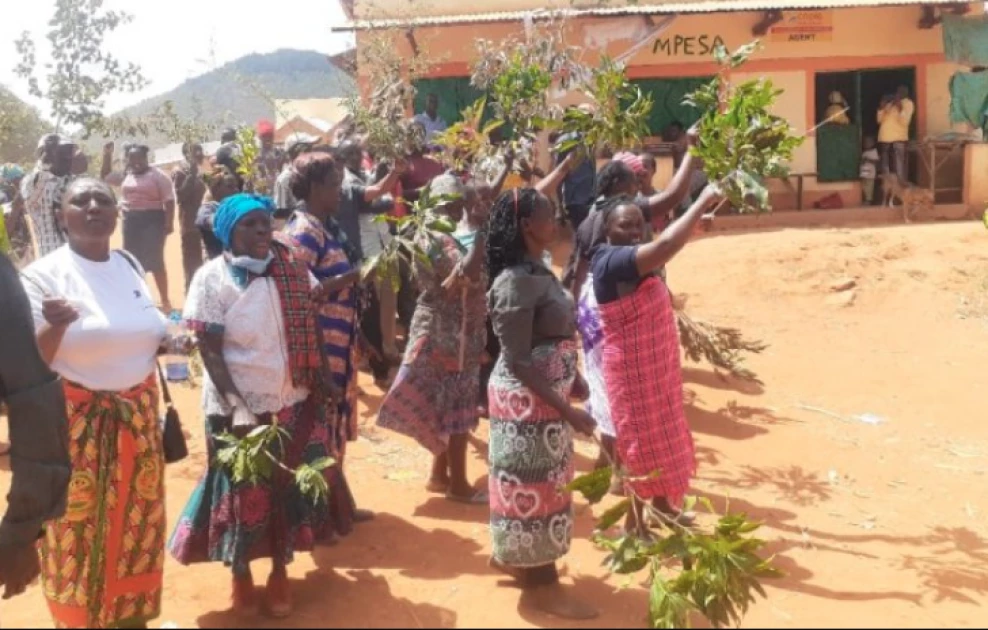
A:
<point x="437" y="486"/>
<point x="557" y="601"/>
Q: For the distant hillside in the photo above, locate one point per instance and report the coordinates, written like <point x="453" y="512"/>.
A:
<point x="239" y="92"/>
<point x="21" y="126"/>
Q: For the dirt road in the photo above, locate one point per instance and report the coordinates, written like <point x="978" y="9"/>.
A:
<point x="877" y="521"/>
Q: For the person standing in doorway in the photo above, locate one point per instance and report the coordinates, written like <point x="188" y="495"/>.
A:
<point x="869" y="170"/>
<point x="430" y="119"/>
<point x="148" y="204"/>
<point x="894" y="117"/>
<point x="190" y="190"/>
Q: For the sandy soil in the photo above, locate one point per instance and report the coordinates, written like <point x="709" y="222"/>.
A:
<point x="875" y="525"/>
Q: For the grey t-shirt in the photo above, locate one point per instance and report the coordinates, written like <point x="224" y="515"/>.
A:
<point x="352" y="205"/>
<point x="529" y="307"/>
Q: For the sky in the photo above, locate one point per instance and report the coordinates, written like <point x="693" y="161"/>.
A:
<point x="174" y="40"/>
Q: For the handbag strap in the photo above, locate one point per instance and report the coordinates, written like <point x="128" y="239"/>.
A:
<point x="165" y="393"/>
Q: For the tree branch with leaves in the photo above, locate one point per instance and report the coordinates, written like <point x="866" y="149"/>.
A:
<point x="82" y="74"/>
<point x="742" y="143"/>
<point x="257" y="457"/>
<point x="714" y="573"/>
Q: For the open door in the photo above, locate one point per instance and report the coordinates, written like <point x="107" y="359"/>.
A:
<point x="839" y="147"/>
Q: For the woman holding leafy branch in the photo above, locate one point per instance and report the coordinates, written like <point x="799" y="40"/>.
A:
<point x="641" y="355"/>
<point x="620" y="178"/>
<point x="253" y="314"/>
<point x="434" y="396"/>
<point x="532" y="422"/>
<point x="317" y="240"/>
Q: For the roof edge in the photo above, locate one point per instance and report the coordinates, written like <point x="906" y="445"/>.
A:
<point x="715" y="6"/>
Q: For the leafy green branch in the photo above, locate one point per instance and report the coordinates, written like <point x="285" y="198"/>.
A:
<point x="253" y="460"/>
<point x="518" y="74"/>
<point x="469" y="139"/>
<point x="741" y="142"/>
<point x="413" y="230"/>
<point x="382" y="117"/>
<point x="248" y="157"/>
<point x="619" y="118"/>
<point x="81" y="73"/>
<point x="714" y="573"/>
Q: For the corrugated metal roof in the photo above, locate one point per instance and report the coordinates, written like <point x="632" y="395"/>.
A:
<point x="703" y="6"/>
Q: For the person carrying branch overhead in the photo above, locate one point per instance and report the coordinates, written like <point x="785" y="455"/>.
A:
<point x="641" y="355"/>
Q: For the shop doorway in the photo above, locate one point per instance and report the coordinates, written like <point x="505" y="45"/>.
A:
<point x="839" y="146"/>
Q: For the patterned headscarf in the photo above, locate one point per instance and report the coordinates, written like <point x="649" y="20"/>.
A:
<point x="291" y="278"/>
<point x="633" y="161"/>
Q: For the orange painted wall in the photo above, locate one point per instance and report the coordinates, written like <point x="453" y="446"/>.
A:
<point x="862" y="38"/>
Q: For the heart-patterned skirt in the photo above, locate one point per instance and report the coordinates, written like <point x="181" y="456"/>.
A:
<point x="531" y="460"/>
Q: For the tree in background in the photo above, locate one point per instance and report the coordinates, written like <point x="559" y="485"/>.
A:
<point x="20" y="128"/>
<point x="81" y="73"/>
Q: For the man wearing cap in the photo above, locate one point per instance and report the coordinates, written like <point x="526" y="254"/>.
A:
<point x="43" y="189"/>
<point x="272" y="158"/>
<point x="295" y="145"/>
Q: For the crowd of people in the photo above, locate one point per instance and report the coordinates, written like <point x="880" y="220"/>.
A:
<point x="283" y="321"/>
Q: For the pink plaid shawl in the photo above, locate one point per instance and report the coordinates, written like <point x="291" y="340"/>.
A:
<point x="644" y="380"/>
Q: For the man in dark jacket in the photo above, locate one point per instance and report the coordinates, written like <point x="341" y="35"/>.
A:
<point x="39" y="456"/>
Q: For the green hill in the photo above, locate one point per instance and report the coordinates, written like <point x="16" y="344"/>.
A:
<point x="241" y="91"/>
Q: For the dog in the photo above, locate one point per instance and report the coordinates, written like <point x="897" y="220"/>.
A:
<point x="912" y="198"/>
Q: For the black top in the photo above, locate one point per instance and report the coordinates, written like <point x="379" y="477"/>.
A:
<point x="38" y="426"/>
<point x="615" y="272"/>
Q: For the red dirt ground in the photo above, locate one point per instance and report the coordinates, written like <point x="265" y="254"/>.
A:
<point x="874" y="525"/>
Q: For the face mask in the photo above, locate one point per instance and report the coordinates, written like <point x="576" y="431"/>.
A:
<point x="255" y="266"/>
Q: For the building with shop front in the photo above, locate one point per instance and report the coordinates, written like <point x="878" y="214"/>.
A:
<point x="863" y="49"/>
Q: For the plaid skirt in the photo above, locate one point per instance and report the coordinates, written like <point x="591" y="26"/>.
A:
<point x="531" y="460"/>
<point x="644" y="377"/>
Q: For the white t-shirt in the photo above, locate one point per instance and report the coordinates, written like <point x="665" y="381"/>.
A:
<point x="114" y="343"/>
<point x="868" y="160"/>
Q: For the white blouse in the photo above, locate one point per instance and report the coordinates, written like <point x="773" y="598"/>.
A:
<point x="254" y="344"/>
<point x="114" y="343"/>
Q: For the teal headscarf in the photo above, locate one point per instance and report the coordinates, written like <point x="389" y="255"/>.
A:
<point x="233" y="210"/>
<point x="10" y="173"/>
